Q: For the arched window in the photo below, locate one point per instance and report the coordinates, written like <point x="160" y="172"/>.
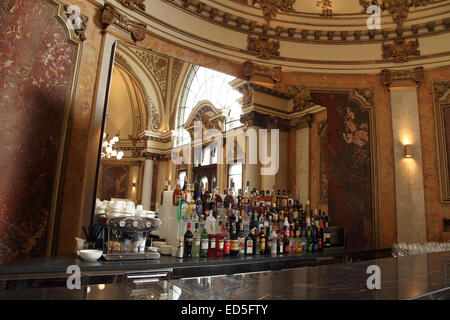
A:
<point x="206" y="84"/>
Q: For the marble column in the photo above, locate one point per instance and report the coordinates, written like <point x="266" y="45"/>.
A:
<point x="410" y="200"/>
<point x="147" y="184"/>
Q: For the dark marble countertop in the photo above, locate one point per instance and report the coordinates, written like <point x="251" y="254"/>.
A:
<point x="425" y="276"/>
<point x="188" y="266"/>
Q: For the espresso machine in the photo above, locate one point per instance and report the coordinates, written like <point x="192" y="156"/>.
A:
<point x="127" y="236"/>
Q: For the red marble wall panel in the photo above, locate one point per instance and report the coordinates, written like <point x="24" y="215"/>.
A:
<point x="349" y="170"/>
<point x="35" y="70"/>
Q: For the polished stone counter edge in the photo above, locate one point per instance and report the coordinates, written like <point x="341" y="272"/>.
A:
<point x="59" y="264"/>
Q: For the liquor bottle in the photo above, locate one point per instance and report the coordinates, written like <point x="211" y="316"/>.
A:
<point x="298" y="241"/>
<point x="303" y="240"/>
<point x="268" y="200"/>
<point x="199" y="206"/>
<point x="274" y="242"/>
<point x="220" y="240"/>
<point x="290" y="199"/>
<point x="234" y="250"/>
<point x="195" y="252"/>
<point x="256" y="242"/>
<point x="286" y="243"/>
<point x="241" y="239"/>
<point x="177" y="195"/>
<point x="204" y="246"/>
<point x="188" y="237"/>
<point x="274" y="198"/>
<point x="212" y="245"/>
<point x="249" y="244"/>
<point x="227" y="240"/>
<point x="309" y="239"/>
<point x="326" y="234"/>
<point x="292" y="241"/>
<point x="180" y="251"/>
<point x="280" y="243"/>
<point x="263" y="242"/>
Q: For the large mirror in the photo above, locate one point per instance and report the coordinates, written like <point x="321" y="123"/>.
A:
<point x="149" y="148"/>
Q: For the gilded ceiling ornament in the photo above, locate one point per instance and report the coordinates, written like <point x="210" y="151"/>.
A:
<point x="251" y="69"/>
<point x="400" y="50"/>
<point x="326" y="7"/>
<point x="111" y="16"/>
<point x="270" y="8"/>
<point x="155" y="117"/>
<point x="157" y="65"/>
<point x="79" y="22"/>
<point x="263" y="47"/>
<point x="132" y="3"/>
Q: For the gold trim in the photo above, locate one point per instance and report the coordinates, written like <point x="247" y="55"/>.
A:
<point x="441" y="99"/>
<point x="72" y="39"/>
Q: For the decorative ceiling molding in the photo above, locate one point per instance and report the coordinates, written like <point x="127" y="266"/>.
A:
<point x="132" y="4"/>
<point x="400" y="50"/>
<point x="157" y="65"/>
<point x="270" y="8"/>
<point x="398" y="9"/>
<point x="263" y="47"/>
<point x="326" y="6"/>
<point x="390" y="77"/>
<point x="79" y="22"/>
<point x="325" y="35"/>
<point x="111" y="16"/>
<point x="258" y="72"/>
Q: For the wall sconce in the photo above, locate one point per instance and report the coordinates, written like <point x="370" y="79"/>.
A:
<point x="408" y="153"/>
<point x="134" y="185"/>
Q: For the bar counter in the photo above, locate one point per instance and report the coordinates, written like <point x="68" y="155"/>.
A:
<point x="328" y="275"/>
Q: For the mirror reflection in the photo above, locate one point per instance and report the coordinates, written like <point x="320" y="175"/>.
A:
<point x="151" y="157"/>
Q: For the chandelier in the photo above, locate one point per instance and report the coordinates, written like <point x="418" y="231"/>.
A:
<point x="108" y="148"/>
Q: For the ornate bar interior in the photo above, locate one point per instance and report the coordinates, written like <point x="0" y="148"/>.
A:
<point x="102" y="101"/>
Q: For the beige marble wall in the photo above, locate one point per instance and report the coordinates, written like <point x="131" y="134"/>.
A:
<point x="408" y="171"/>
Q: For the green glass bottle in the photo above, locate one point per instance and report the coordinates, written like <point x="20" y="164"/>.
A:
<point x="196" y="240"/>
<point x="204" y="245"/>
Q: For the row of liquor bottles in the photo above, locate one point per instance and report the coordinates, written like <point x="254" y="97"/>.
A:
<point x="259" y="240"/>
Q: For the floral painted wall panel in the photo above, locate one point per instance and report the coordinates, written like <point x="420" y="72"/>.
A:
<point x="115" y="182"/>
<point x="35" y="71"/>
<point x="349" y="167"/>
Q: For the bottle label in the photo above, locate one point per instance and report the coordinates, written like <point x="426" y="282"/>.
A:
<point x="197" y="242"/>
<point x="221" y="245"/>
<point x="249" y="248"/>
<point x="263" y="245"/>
<point x="281" y="248"/>
<point x="226" y="248"/>
<point x="205" y="244"/>
<point x="213" y="244"/>
<point x="234" y="245"/>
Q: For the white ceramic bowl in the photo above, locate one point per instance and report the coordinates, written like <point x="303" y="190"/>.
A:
<point x="90" y="254"/>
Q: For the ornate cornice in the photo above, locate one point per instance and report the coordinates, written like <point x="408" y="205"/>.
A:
<point x="398" y="9"/>
<point x="270" y="8"/>
<point x="400" y="50"/>
<point x="254" y="118"/>
<point x="302" y="97"/>
<point x="305" y="33"/>
<point x="389" y="77"/>
<point x="156" y="156"/>
<point x="440" y="89"/>
<point x="133" y="4"/>
<point x="111" y="16"/>
<point x="79" y="22"/>
<point x="263" y="47"/>
<point x="253" y="70"/>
